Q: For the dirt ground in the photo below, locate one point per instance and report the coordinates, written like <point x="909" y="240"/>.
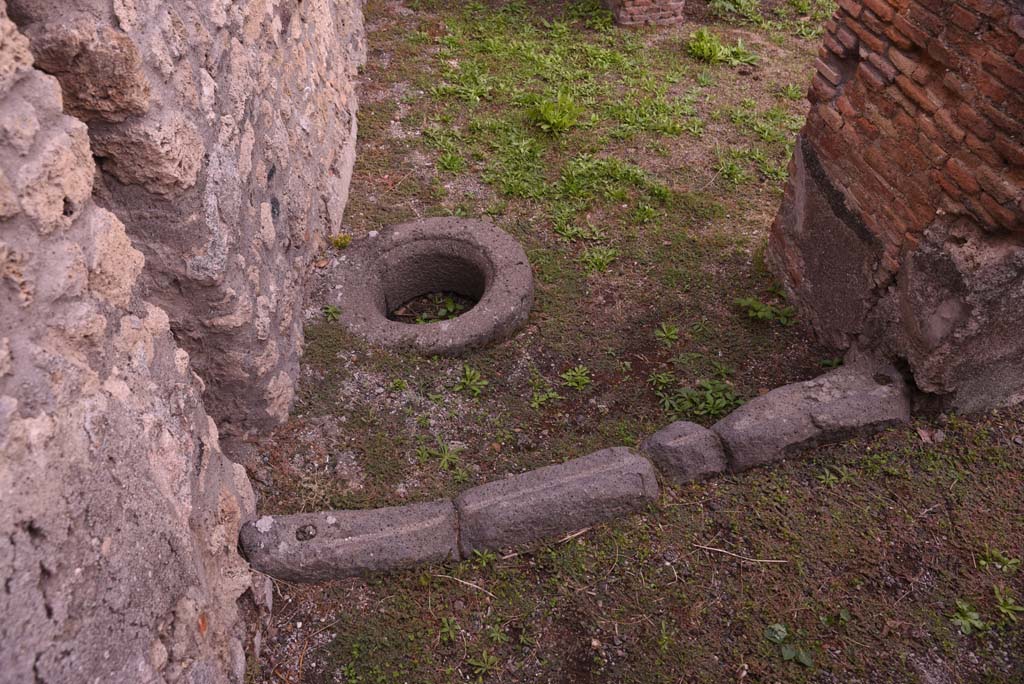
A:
<point x="642" y="181"/>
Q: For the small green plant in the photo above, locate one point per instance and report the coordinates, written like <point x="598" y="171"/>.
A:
<point x="694" y="126"/>
<point x="451" y="162"/>
<point x="483" y="559"/>
<point x="710" y="399"/>
<point x="721" y="370"/>
<point x="543" y="396"/>
<point x="746" y="9"/>
<point x="449" y="630"/>
<point x="398" y="385"/>
<point x="597" y="259"/>
<point x="833" y="475"/>
<point x="666" y="333"/>
<point x="967" y="619"/>
<point x="331" y="313"/>
<point x="497" y="635"/>
<point x="807" y="30"/>
<point x="792" y="91"/>
<point x="341" y="241"/>
<point x="555" y="115"/>
<point x="661" y="381"/>
<point x="1006" y="605"/>
<point x="706" y="47"/>
<point x="776" y="633"/>
<point x="730" y="169"/>
<point x="992" y="557"/>
<point x="577" y="377"/>
<point x="483" y="665"/>
<point x="760" y="311"/>
<point x="705" y="79"/>
<point x="664" y="637"/>
<point x="470" y="381"/>
<point x="644" y="213"/>
<point x="834" y="362"/>
<point x="779" y="635"/>
<point x="447" y="309"/>
<point x="837" y="619"/>
<point x="447" y="457"/>
<point x="773" y="172"/>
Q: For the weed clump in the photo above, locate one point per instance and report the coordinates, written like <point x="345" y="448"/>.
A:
<point x="706" y="47"/>
<point x="556" y="115"/>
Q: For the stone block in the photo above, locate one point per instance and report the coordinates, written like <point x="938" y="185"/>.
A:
<point x="839" y="405"/>
<point x="312" y="547"/>
<point x="555" y="500"/>
<point x="685" y="452"/>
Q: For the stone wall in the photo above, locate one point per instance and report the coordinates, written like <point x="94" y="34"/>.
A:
<point x="902" y="227"/>
<point x="120" y="515"/>
<point x="224" y="135"/>
<point x="649" y="12"/>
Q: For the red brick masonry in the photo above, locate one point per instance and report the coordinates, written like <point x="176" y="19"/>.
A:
<point x="636" y="12"/>
<point x="902" y="226"/>
<point x="919" y="107"/>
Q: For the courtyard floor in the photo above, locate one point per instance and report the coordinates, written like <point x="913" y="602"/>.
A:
<point x="640" y="169"/>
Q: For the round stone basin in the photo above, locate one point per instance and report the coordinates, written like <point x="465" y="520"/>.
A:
<point x="471" y="258"/>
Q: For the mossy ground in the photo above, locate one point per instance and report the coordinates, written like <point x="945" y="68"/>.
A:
<point x="642" y="183"/>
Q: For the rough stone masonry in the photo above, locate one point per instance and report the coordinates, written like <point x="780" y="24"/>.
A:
<point x="119" y="515"/>
<point x="902" y="228"/>
<point x="224" y="136"/>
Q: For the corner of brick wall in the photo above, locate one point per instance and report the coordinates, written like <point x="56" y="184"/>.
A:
<point x="915" y="135"/>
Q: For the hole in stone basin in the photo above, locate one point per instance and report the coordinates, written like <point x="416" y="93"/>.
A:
<point x="432" y="307"/>
<point x="439" y="285"/>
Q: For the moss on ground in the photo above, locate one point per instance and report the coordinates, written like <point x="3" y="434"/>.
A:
<point x="641" y="183"/>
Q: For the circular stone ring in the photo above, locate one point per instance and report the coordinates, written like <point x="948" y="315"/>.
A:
<point x="471" y="258"/>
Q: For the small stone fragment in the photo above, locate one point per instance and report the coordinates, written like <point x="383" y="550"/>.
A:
<point x="685" y="452"/>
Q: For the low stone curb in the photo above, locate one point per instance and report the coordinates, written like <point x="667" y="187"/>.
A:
<point x="554" y="500"/>
<point x="562" y="498"/>
<point x="838" y="405"/>
<point x="311" y="547"/>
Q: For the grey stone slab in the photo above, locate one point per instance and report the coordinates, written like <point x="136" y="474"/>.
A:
<point x="685" y="452"/>
<point x="311" y="547"/>
<point x="555" y="500"/>
<point x="838" y="405"/>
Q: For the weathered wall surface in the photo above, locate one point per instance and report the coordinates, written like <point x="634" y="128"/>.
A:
<point x="224" y="134"/>
<point x="119" y="515"/>
<point x="902" y="227"/>
<point x="649" y="12"/>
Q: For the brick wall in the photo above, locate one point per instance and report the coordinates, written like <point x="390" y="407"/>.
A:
<point x="914" y="146"/>
<point x="637" y="12"/>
